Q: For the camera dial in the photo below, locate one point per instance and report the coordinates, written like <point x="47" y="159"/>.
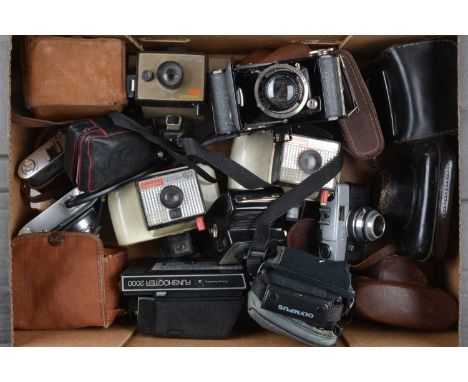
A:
<point x="281" y="91"/>
<point x="170" y="74"/>
<point x="171" y="197"/>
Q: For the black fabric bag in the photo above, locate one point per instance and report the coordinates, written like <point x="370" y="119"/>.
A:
<point x="301" y="295"/>
<point x="99" y="154"/>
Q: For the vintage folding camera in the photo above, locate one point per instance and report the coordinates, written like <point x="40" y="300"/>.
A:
<point x="162" y="204"/>
<point x="347" y="222"/>
<point x="260" y="96"/>
<point x="287" y="162"/>
<point x="195" y="298"/>
<point x="416" y="196"/>
<point x="45" y="163"/>
<point x="168" y="79"/>
<point x="231" y="221"/>
<point x="58" y="217"/>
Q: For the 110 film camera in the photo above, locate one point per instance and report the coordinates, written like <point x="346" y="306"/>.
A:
<point x="259" y="96"/>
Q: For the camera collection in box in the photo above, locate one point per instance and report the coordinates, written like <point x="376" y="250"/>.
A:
<point x="132" y="154"/>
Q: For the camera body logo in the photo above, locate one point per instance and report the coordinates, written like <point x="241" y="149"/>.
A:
<point x="296" y="312"/>
<point x="159" y="283"/>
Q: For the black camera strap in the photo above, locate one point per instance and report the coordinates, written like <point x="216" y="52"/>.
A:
<point x="125" y="122"/>
<point x="224" y="164"/>
<point x="279" y="207"/>
<point x="195" y="149"/>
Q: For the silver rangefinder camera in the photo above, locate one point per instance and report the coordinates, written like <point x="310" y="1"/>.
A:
<point x="162" y="204"/>
<point x="347" y="223"/>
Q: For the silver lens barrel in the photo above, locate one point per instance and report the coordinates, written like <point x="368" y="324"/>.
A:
<point x="366" y="224"/>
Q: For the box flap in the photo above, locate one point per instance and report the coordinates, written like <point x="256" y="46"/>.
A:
<point x="116" y="335"/>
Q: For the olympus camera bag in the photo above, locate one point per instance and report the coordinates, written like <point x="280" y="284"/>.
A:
<point x="65" y="280"/>
<point x="301" y="295"/>
<point x="70" y="78"/>
<point x="414" y="88"/>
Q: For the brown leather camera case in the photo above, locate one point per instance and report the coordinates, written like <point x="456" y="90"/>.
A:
<point x="70" y="78"/>
<point x="65" y="280"/>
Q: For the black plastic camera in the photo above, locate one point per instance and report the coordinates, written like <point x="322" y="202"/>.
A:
<point x="184" y="298"/>
<point x="347" y="223"/>
<point x="260" y="96"/>
<point x="231" y="221"/>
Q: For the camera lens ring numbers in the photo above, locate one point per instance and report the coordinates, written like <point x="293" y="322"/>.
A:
<point x="265" y="83"/>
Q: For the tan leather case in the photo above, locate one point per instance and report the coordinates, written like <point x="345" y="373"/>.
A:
<point x="70" y="78"/>
<point x="65" y="280"/>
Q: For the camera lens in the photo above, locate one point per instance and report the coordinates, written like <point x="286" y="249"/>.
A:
<point x="170" y="74"/>
<point x="171" y="197"/>
<point x="365" y="224"/>
<point x="310" y="161"/>
<point x="281" y="91"/>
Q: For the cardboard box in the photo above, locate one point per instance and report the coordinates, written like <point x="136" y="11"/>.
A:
<point x="16" y="142"/>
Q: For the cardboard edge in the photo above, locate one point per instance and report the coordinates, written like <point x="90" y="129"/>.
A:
<point x="463" y="173"/>
<point x="6" y="321"/>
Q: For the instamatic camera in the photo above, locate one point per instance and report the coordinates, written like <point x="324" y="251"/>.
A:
<point x="347" y="222"/>
<point x="184" y="299"/>
<point x="259" y="96"/>
<point x="287" y="162"/>
<point x="45" y="163"/>
<point x="163" y="204"/>
<point x="171" y="80"/>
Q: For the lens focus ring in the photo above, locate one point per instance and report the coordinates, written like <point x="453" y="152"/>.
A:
<point x="366" y="224"/>
<point x="281" y="91"/>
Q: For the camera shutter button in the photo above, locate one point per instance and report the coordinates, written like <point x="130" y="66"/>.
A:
<point x="310" y="161"/>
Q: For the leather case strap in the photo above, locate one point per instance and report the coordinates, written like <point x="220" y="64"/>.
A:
<point x="361" y="130"/>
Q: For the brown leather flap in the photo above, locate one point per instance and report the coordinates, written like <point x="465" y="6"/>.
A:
<point x="361" y="131"/>
<point x="65" y="280"/>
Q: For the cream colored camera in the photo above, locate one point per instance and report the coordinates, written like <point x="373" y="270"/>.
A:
<point x="142" y="210"/>
<point x="285" y="163"/>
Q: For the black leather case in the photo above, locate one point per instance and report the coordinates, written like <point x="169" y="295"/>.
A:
<point x="417" y="197"/>
<point x="414" y="89"/>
